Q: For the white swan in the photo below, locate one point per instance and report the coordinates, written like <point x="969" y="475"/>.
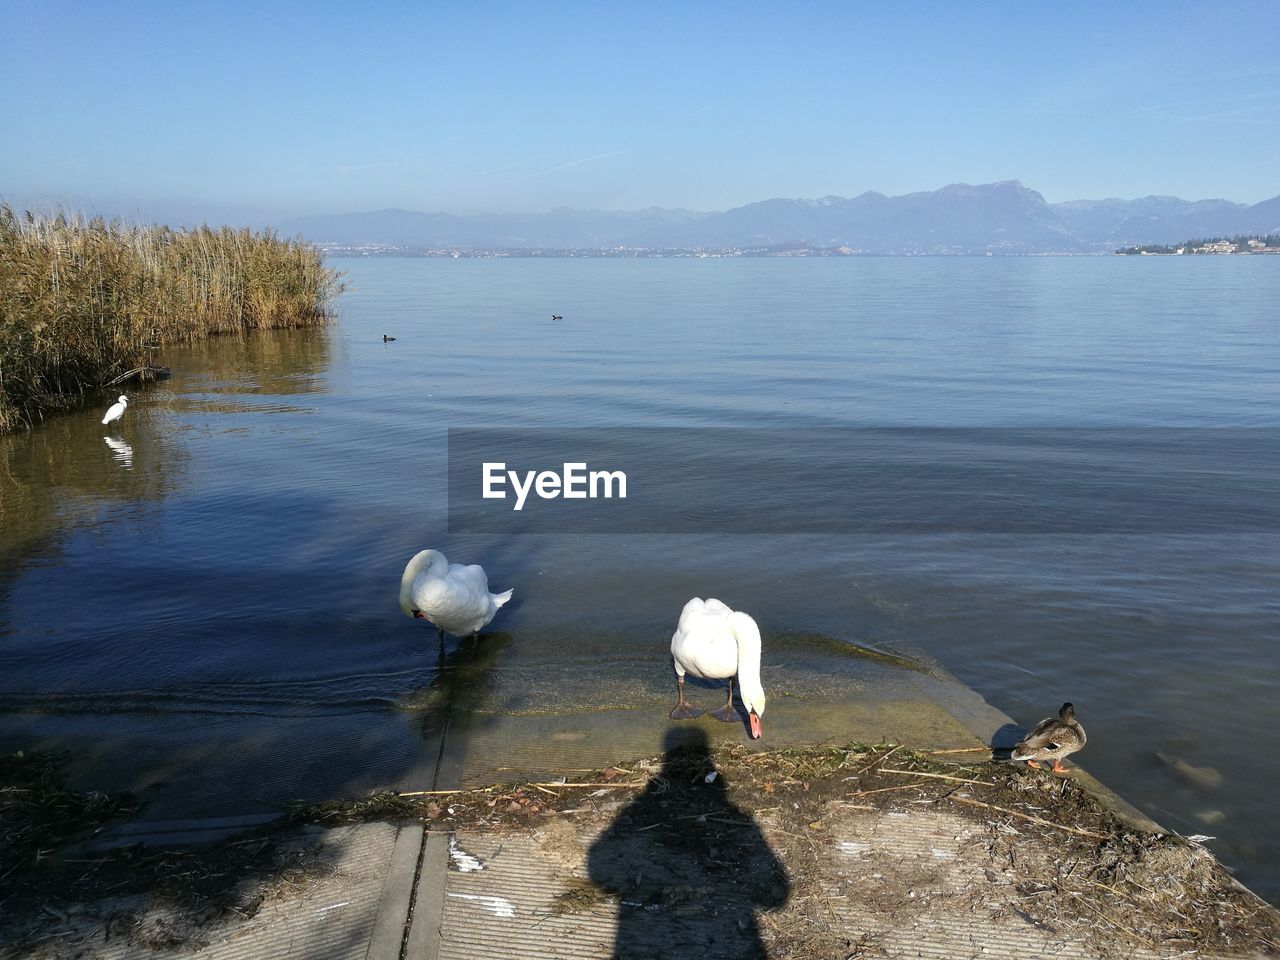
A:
<point x="715" y="643"/>
<point x="116" y="410"/>
<point x="453" y="597"/>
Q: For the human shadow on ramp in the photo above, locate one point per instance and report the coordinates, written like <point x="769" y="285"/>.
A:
<point x="688" y="867"/>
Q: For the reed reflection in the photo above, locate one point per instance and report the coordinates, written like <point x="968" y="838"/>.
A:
<point x="265" y="362"/>
<point x="57" y="477"/>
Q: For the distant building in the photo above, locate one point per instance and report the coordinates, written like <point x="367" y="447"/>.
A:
<point x="1218" y="246"/>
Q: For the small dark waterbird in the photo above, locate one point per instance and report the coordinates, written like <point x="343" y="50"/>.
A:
<point x="386" y="339"/>
<point x="556" y="316"/>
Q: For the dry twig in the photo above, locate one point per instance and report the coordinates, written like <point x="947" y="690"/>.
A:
<point x="936" y="776"/>
<point x="1027" y="816"/>
<point x="904" y="786"/>
<point x="879" y="759"/>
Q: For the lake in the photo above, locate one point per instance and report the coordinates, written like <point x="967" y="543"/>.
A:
<point x="204" y="600"/>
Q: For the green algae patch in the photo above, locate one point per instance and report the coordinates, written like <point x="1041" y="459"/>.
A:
<point x="829" y="646"/>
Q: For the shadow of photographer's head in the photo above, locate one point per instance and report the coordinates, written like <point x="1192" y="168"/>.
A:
<point x="687" y="865"/>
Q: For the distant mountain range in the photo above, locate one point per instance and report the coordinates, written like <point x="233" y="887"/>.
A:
<point x="1000" y="218"/>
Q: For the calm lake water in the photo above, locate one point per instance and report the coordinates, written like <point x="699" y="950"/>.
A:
<point x="209" y="593"/>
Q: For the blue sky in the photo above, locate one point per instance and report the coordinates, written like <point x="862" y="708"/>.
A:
<point x="323" y="107"/>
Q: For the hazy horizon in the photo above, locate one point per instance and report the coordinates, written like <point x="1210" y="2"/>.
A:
<point x="190" y="211"/>
<point x="299" y="109"/>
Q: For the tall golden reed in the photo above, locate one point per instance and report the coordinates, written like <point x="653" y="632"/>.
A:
<point x="82" y="301"/>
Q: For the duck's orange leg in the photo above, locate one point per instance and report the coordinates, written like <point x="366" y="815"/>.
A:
<point x="1032" y="763"/>
<point x="1058" y="767"/>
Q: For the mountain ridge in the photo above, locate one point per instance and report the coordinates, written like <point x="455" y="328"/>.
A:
<point x="959" y="218"/>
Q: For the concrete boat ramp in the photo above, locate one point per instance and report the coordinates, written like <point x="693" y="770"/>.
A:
<point x="712" y="847"/>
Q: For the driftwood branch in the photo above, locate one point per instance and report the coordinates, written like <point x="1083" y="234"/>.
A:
<point x="143" y="369"/>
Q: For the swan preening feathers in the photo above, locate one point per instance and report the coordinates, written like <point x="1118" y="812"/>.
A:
<point x="116" y="410"/>
<point x="715" y="643"/>
<point x="454" y="597"/>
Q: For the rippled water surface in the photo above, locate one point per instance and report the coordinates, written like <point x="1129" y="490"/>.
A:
<point x="209" y="590"/>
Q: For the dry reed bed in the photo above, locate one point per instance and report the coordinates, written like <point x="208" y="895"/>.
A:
<point x="85" y="301"/>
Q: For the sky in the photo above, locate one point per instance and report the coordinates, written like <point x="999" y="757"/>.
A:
<point x="268" y="109"/>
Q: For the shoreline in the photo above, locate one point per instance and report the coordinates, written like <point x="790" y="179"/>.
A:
<point x="893" y="844"/>
<point x="869" y="840"/>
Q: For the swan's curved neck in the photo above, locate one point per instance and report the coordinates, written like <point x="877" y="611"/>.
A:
<point x="411" y="571"/>
<point x="748" y="636"/>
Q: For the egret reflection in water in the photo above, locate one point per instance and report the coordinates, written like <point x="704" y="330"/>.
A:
<point x="121" y="451"/>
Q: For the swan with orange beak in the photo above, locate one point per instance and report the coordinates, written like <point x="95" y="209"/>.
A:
<point x="715" y="643"/>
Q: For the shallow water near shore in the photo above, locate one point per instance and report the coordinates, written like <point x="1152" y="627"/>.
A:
<point x="208" y="592"/>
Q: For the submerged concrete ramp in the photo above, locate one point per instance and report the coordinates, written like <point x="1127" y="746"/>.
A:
<point x="499" y="719"/>
<point x="628" y="872"/>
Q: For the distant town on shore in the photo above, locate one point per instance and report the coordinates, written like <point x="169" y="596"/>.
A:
<point x="1218" y="246"/>
<point x="1213" y="245"/>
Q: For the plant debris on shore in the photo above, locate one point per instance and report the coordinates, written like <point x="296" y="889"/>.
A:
<point x="1032" y="845"/>
<point x="37" y="815"/>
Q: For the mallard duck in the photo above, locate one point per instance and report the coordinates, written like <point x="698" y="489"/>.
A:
<point x="1052" y="740"/>
<point x="454" y="597"/>
<point x="715" y="643"/>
